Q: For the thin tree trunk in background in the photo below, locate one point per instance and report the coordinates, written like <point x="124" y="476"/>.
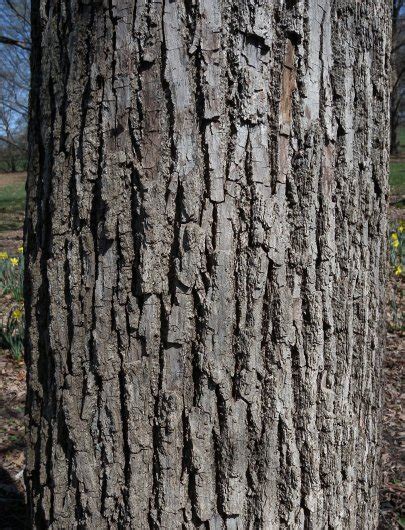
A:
<point x="395" y="76"/>
<point x="205" y="250"/>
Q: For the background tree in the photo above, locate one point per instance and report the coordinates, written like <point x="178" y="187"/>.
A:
<point x="15" y="28"/>
<point x="205" y="261"/>
<point x="398" y="72"/>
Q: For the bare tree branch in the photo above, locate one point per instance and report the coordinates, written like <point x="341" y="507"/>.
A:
<point x="13" y="144"/>
<point x="13" y="42"/>
<point x="397" y="47"/>
<point x="18" y="14"/>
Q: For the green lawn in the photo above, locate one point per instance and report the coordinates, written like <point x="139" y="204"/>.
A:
<point x="397" y="178"/>
<point x="12" y="197"/>
<point x="12" y="205"/>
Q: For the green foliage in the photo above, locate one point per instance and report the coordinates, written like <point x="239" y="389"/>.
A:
<point x="11" y="285"/>
<point x="12" y="333"/>
<point x="397" y="248"/>
<point x="11" y="275"/>
<point x="397" y="271"/>
<point x="20" y="164"/>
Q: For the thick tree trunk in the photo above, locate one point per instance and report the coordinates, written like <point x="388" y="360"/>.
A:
<point x="205" y="236"/>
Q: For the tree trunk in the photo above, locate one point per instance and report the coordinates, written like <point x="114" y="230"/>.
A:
<point x="395" y="149"/>
<point x="397" y="72"/>
<point x="13" y="164"/>
<point x="205" y="249"/>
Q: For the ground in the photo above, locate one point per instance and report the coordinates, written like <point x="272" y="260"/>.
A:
<point x="392" y="494"/>
<point x="12" y="398"/>
<point x="12" y="375"/>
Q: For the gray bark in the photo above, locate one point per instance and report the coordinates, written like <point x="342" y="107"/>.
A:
<point x="205" y="249"/>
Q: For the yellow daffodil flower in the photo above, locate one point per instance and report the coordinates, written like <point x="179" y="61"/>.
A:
<point x="398" y="270"/>
<point x="16" y="314"/>
<point x="3" y="255"/>
<point x="20" y="250"/>
<point x="14" y="261"/>
<point x="395" y="242"/>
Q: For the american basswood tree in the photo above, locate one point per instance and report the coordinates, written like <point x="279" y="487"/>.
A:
<point x="205" y="249"/>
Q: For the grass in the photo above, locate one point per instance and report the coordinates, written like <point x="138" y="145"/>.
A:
<point x="12" y="205"/>
<point x="397" y="178"/>
<point x="12" y="197"/>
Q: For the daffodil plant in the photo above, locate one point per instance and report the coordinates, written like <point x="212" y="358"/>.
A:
<point x="397" y="259"/>
<point x="397" y="248"/>
<point x="11" y="275"/>
<point x="12" y="333"/>
<point x="11" y="286"/>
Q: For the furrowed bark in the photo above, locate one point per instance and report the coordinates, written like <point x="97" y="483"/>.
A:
<point x="205" y="259"/>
